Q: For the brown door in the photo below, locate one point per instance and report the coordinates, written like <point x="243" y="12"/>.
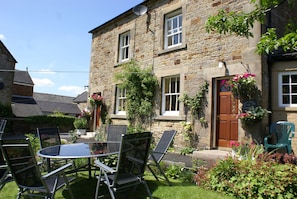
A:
<point x="227" y="122"/>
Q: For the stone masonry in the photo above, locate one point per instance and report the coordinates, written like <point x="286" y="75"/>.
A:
<point x="196" y="60"/>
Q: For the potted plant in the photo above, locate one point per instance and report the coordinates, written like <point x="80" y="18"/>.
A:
<point x="253" y="115"/>
<point x="80" y="124"/>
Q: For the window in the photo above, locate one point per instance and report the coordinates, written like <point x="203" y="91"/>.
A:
<point x="124" y="45"/>
<point x="287" y="89"/>
<point x="121" y="100"/>
<point x="173" y="29"/>
<point x="170" y="95"/>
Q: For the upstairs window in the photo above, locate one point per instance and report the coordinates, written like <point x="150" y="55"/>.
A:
<point x="121" y="101"/>
<point x="173" y="29"/>
<point x="124" y="46"/>
<point x="170" y="95"/>
<point x="287" y="89"/>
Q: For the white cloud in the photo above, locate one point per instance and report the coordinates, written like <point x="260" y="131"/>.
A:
<point x="2" y="37"/>
<point x="72" y="89"/>
<point x="46" y="71"/>
<point x="43" y="82"/>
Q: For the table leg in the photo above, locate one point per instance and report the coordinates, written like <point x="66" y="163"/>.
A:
<point x="89" y="165"/>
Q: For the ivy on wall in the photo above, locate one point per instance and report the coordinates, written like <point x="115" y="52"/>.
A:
<point x="141" y="86"/>
<point x="197" y="103"/>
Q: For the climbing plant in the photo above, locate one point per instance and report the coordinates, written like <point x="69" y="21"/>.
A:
<point x="140" y="85"/>
<point x="197" y="103"/>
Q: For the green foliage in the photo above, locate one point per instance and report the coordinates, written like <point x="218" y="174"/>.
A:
<point x="198" y="102"/>
<point x="34" y="141"/>
<point x="177" y="172"/>
<point x="80" y="123"/>
<point x="6" y="110"/>
<point x="251" y="178"/>
<point x="187" y="150"/>
<point x="231" y="22"/>
<point x="141" y="86"/>
<point x="269" y="42"/>
<point x="52" y="120"/>
<point x="240" y="24"/>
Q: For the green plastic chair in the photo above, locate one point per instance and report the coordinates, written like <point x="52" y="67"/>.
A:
<point x="282" y="132"/>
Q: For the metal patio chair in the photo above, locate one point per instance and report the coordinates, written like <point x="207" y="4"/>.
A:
<point x="159" y="152"/>
<point x="282" y="132"/>
<point x="2" y="125"/>
<point x="114" y="132"/>
<point x="130" y="167"/>
<point x="5" y="176"/>
<point x="50" y="136"/>
<point x="22" y="164"/>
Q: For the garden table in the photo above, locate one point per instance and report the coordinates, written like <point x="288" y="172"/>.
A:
<point x="81" y="150"/>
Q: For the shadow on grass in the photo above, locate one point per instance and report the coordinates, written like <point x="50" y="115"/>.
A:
<point x="85" y="188"/>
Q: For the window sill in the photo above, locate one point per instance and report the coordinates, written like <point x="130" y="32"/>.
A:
<point x="122" y="62"/>
<point x="115" y="116"/>
<point x="174" y="49"/>
<point x="172" y="118"/>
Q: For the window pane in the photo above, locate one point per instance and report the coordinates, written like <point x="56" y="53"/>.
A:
<point x="294" y="78"/>
<point x="294" y="89"/>
<point x="286" y="89"/>
<point x="285" y="79"/>
<point x="294" y="99"/>
<point x="286" y="99"/>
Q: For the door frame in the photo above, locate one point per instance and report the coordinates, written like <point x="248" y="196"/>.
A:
<point x="214" y="127"/>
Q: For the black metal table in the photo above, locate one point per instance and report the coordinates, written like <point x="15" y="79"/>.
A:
<point x="80" y="150"/>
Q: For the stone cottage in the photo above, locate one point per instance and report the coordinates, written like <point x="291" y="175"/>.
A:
<point x="7" y="66"/>
<point x="170" y="37"/>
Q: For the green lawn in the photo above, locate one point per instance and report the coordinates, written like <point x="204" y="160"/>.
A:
<point x="84" y="188"/>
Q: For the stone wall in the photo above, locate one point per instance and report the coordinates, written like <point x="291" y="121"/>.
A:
<point x="7" y="64"/>
<point x="195" y="61"/>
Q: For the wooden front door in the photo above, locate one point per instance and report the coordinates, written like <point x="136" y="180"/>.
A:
<point x="227" y="110"/>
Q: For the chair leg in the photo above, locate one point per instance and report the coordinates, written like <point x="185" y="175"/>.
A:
<point x="148" y="190"/>
<point x="164" y="175"/>
<point x="148" y="166"/>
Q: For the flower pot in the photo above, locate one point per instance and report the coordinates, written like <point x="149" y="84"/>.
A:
<point x="81" y="131"/>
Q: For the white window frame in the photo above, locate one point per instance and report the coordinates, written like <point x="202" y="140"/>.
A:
<point x="124" y="46"/>
<point x="121" y="100"/>
<point x="171" y="94"/>
<point x="290" y="94"/>
<point x="174" y="32"/>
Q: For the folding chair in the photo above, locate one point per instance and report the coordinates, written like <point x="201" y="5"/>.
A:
<point x="5" y="176"/>
<point x="130" y="167"/>
<point x="158" y="153"/>
<point x="22" y="164"/>
<point x="50" y="136"/>
<point x="114" y="132"/>
<point x="2" y="125"/>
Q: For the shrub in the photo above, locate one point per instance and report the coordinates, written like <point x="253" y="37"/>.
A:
<point x="263" y="178"/>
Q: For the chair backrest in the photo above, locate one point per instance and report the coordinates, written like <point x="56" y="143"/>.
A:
<point x="49" y="136"/>
<point x="133" y="155"/>
<point x="2" y="125"/>
<point x="114" y="132"/>
<point x="283" y="131"/>
<point x="21" y="161"/>
<point x="163" y="145"/>
<point x="2" y="163"/>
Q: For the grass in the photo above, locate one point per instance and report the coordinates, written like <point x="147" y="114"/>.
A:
<point x="84" y="188"/>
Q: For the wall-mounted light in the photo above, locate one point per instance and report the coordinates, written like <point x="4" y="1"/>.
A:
<point x="222" y="64"/>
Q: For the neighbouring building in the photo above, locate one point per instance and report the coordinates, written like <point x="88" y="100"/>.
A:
<point x="170" y="37"/>
<point x="7" y="66"/>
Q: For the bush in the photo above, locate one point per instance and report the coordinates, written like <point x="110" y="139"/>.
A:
<point x="262" y="178"/>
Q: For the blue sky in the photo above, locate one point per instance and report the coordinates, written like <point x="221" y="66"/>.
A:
<point x="50" y="38"/>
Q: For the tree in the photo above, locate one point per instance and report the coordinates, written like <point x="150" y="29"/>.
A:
<point x="240" y="24"/>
